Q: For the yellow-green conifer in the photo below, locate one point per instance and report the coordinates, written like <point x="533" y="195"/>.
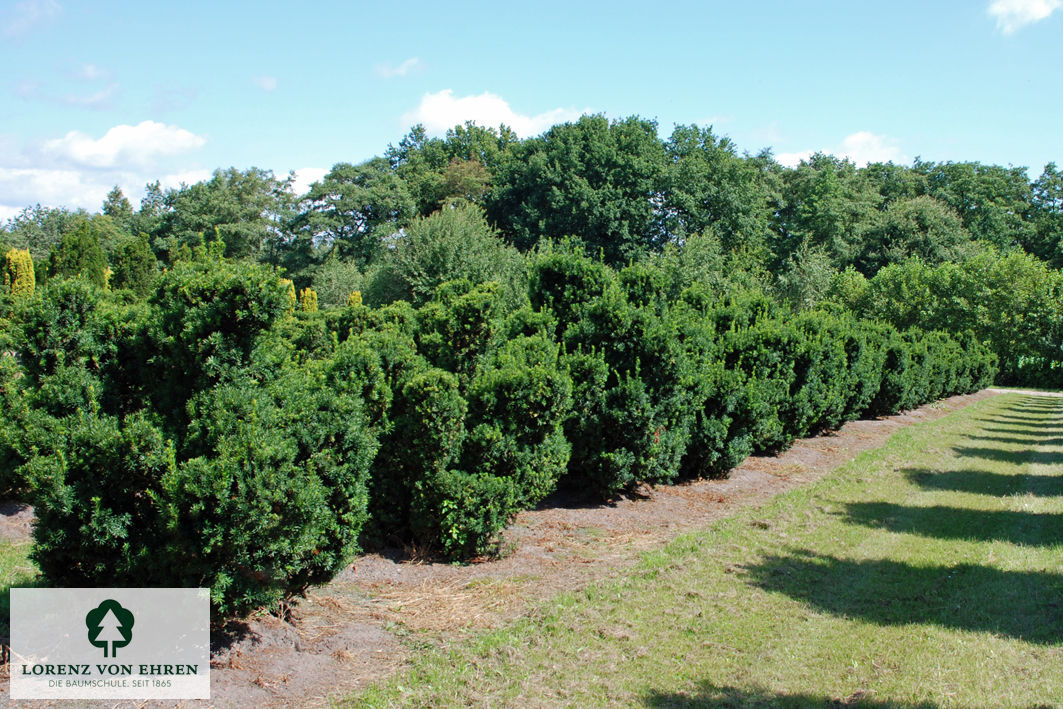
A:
<point x="19" y="279"/>
<point x="292" y="300"/>
<point x="308" y="300"/>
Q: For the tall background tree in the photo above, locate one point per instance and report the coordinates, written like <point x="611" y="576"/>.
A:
<point x="597" y="180"/>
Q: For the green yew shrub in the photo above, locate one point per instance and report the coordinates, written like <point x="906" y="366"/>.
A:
<point x="273" y="495"/>
<point x="898" y="388"/>
<point x="561" y="279"/>
<point x="513" y="451"/>
<point x="635" y="404"/>
<point x="490" y="431"/>
<point x="819" y="395"/>
<point x="518" y="402"/>
<point x="866" y="357"/>
<point x="721" y="436"/>
<point x="427" y="429"/>
<point x="207" y="317"/>
<point x="645" y="285"/>
<point x="764" y="355"/>
<point x="245" y="468"/>
<point x="459" y="326"/>
<point x="922" y="369"/>
<point x="103" y="513"/>
<point x="981" y="361"/>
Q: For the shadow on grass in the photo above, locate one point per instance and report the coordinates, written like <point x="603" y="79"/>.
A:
<point x="710" y="695"/>
<point x="1042" y="529"/>
<point x="1033" y="435"/>
<point x="985" y="483"/>
<point x="1019" y="604"/>
<point x="1039" y="439"/>
<point x="1032" y="426"/>
<point x="1016" y="457"/>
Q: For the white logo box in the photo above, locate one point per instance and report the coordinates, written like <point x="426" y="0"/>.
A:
<point x="110" y="643"/>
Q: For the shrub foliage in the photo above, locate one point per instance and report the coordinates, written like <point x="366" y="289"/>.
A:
<point x="215" y="434"/>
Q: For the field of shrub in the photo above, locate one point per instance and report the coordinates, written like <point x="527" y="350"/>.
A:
<point x="225" y="433"/>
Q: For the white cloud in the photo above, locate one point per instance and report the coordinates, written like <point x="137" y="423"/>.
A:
<point x="124" y="144"/>
<point x="22" y="187"/>
<point x="442" y="110"/>
<point x="1011" y="15"/>
<point x="306" y="176"/>
<point x="187" y="177"/>
<point x="793" y="159"/>
<point x="387" y="71"/>
<point x="862" y="147"/>
<point x="266" y="83"/>
<point x="77" y="171"/>
<point x="28" y="14"/>
<point x="7" y="213"/>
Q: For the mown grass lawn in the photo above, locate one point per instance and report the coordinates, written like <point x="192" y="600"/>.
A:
<point x="926" y="573"/>
<point x="15" y="570"/>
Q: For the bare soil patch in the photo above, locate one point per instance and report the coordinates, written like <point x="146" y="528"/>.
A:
<point x="349" y="633"/>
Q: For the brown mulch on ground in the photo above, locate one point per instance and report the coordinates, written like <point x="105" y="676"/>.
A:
<point x="345" y="635"/>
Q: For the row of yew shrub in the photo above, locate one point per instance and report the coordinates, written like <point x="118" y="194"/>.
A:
<point x="214" y="436"/>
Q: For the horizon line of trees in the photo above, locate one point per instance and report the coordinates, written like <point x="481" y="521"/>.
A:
<point x="615" y="186"/>
<point x="477" y="200"/>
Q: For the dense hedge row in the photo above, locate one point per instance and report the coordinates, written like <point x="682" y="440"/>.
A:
<point x="215" y="435"/>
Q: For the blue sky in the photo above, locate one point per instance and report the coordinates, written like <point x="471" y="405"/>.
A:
<point x="102" y="93"/>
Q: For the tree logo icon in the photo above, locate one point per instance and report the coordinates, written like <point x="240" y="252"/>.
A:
<point x="109" y="623"/>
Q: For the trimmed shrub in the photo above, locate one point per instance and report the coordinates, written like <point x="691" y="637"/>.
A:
<point x="561" y="279"/>
<point x="764" y="355"/>
<point x="427" y="429"/>
<point x="246" y="472"/>
<point x="819" y="394"/>
<point x="208" y="316"/>
<point x="274" y="496"/>
<point x="491" y="433"/>
<point x="103" y="513"/>
<point x="512" y="455"/>
<point x="898" y="388"/>
<point x="459" y="326"/>
<point x="517" y="403"/>
<point x="867" y="358"/>
<point x="636" y="408"/>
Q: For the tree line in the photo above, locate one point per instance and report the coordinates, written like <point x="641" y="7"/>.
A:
<point x="622" y="193"/>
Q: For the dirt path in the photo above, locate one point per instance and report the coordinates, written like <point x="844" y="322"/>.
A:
<point x="347" y="634"/>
